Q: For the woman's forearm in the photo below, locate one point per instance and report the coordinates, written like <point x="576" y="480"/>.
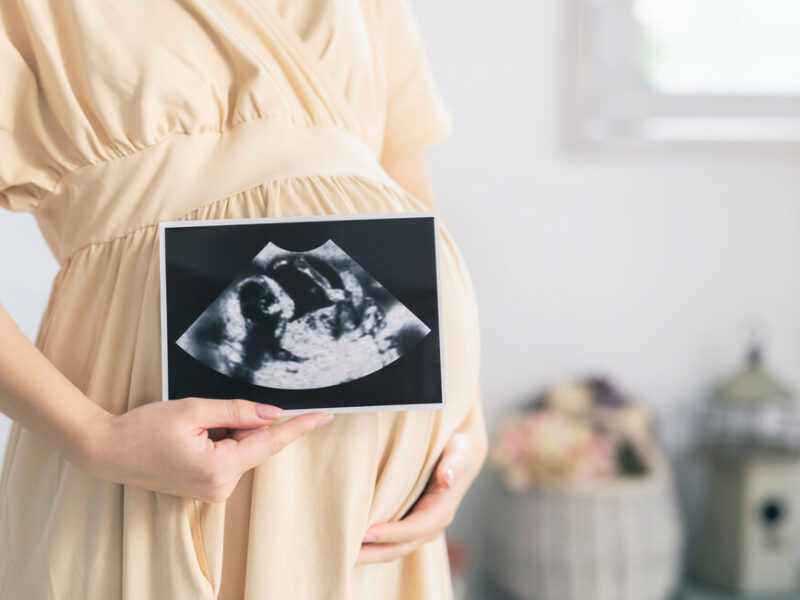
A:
<point x="35" y="394"/>
<point x="411" y="173"/>
<point x="474" y="425"/>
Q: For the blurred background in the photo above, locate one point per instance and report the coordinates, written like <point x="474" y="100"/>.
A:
<point x="624" y="183"/>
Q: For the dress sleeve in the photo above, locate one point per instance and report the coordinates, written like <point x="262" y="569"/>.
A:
<point x="416" y="116"/>
<point x="24" y="173"/>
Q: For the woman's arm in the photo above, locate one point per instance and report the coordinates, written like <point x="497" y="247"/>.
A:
<point x="37" y="396"/>
<point x="412" y="175"/>
<point x="462" y="457"/>
<point x="162" y="446"/>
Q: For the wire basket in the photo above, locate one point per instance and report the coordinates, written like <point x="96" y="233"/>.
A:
<point x="615" y="540"/>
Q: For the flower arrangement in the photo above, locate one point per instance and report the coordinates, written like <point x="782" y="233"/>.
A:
<point x="579" y="431"/>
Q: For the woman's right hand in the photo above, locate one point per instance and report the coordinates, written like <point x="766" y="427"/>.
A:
<point x="173" y="446"/>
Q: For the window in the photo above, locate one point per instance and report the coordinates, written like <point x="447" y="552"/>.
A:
<point x="661" y="71"/>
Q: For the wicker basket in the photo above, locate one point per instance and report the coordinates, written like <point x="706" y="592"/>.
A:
<point x="619" y="540"/>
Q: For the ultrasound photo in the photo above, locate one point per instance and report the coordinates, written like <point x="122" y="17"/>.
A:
<point x="302" y="320"/>
<point x="336" y="313"/>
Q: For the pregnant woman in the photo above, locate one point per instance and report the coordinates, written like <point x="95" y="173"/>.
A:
<point x="115" y="116"/>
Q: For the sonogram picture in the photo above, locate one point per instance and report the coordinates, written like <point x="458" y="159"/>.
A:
<point x="337" y="313"/>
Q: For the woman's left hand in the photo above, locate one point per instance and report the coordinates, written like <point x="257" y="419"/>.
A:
<point x="459" y="464"/>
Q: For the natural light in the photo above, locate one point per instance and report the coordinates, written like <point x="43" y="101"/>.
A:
<point x="719" y="47"/>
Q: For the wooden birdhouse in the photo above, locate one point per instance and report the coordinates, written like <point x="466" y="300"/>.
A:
<point x="751" y="444"/>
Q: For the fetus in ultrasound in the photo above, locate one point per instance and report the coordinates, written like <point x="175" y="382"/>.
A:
<point x="302" y="320"/>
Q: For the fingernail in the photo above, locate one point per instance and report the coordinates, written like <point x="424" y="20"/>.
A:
<point x="368" y="538"/>
<point x="324" y="420"/>
<point x="449" y="476"/>
<point x="267" y="411"/>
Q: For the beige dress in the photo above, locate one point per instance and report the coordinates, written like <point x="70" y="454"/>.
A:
<point x="117" y="115"/>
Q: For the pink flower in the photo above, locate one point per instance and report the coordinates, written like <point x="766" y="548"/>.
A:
<point x="549" y="445"/>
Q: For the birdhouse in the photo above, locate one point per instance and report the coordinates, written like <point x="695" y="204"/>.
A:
<point x="751" y="444"/>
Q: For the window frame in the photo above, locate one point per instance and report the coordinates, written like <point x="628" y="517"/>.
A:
<point x="610" y="104"/>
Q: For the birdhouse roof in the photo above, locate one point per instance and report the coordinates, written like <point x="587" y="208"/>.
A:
<point x="754" y="386"/>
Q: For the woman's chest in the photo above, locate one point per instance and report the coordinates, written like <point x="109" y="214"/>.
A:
<point x="127" y="74"/>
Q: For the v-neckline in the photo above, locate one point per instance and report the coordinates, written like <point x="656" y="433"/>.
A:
<point x="326" y="93"/>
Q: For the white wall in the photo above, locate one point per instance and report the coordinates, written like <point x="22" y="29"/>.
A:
<point x="645" y="267"/>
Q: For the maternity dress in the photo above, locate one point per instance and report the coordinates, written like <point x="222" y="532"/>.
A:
<point x="117" y="115"/>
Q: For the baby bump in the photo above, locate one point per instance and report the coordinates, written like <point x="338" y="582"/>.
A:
<point x="371" y="466"/>
<point x="363" y="468"/>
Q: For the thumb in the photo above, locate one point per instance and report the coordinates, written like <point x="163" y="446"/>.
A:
<point x="454" y="462"/>
<point x="233" y="414"/>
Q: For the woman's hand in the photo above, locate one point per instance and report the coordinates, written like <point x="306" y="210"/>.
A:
<point x="194" y="447"/>
<point x="459" y="464"/>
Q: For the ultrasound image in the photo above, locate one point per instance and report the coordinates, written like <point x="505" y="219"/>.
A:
<point x="302" y="320"/>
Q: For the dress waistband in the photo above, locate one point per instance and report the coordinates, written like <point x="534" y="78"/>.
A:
<point x="169" y="179"/>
